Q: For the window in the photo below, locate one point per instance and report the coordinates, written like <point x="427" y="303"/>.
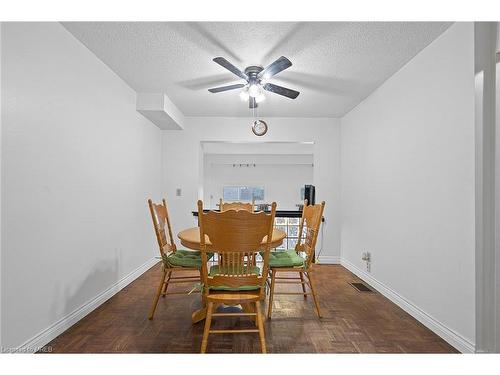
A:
<point x="290" y="225"/>
<point x="242" y="193"/>
<point x="231" y="193"/>
<point x="258" y="193"/>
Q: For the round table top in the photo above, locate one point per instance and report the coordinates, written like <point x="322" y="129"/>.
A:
<point x="190" y="238"/>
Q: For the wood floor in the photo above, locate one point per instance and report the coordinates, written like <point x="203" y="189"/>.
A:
<point x="353" y="322"/>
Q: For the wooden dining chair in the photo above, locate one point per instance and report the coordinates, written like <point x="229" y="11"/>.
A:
<point x="236" y="237"/>
<point x="298" y="260"/>
<point x="176" y="263"/>
<point x="226" y="206"/>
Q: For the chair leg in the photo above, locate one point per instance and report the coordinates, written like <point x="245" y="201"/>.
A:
<point x="157" y="297"/>
<point x="303" y="284"/>
<point x="164" y="293"/>
<point x="271" y="294"/>
<point x="206" y="330"/>
<point x="260" y="325"/>
<point x="315" y="297"/>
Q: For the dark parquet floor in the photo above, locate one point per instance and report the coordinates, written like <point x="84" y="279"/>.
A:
<point x="353" y="322"/>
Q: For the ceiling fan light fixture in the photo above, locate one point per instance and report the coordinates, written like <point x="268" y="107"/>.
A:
<point x="256" y="78"/>
<point x="244" y="95"/>
<point x="254" y="90"/>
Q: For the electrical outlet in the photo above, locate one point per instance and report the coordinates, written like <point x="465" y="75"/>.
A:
<point x="178" y="192"/>
<point x="367" y="257"/>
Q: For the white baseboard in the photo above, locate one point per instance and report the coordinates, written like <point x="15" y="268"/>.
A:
<point x="50" y="333"/>
<point x="453" y="338"/>
<point x="328" y="259"/>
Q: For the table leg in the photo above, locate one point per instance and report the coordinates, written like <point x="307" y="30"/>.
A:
<point x="199" y="315"/>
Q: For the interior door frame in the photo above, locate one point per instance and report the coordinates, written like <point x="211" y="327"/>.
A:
<point x="487" y="189"/>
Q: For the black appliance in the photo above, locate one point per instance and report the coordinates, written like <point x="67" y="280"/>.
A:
<point x="309" y="194"/>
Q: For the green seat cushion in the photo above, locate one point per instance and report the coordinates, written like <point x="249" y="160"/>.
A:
<point x="214" y="270"/>
<point x="185" y="258"/>
<point x="287" y="258"/>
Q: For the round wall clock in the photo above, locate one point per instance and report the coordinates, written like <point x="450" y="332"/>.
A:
<point x="259" y="128"/>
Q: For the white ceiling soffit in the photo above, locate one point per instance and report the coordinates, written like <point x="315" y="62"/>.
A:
<point x="160" y="110"/>
<point x="335" y="64"/>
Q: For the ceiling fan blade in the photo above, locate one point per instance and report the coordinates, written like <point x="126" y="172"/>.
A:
<point x="226" y="88"/>
<point x="252" y="103"/>
<point x="226" y="64"/>
<point x="289" y="93"/>
<point x="274" y="68"/>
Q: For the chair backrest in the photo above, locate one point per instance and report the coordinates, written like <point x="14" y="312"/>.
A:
<point x="161" y="223"/>
<point x="236" y="237"/>
<point x="226" y="206"/>
<point x="310" y="224"/>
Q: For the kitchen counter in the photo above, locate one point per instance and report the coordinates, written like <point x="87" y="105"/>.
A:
<point x="279" y="213"/>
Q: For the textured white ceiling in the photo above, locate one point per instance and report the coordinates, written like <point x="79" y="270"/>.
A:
<point x="335" y="64"/>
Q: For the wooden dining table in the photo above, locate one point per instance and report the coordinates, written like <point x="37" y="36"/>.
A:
<point x="190" y="238"/>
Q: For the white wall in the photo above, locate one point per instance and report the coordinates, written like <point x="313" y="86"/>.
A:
<point x="183" y="164"/>
<point x="1" y="176"/>
<point x="281" y="176"/>
<point x="408" y="185"/>
<point x="78" y="163"/>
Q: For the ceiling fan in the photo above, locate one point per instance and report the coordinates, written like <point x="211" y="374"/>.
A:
<point x="256" y="77"/>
